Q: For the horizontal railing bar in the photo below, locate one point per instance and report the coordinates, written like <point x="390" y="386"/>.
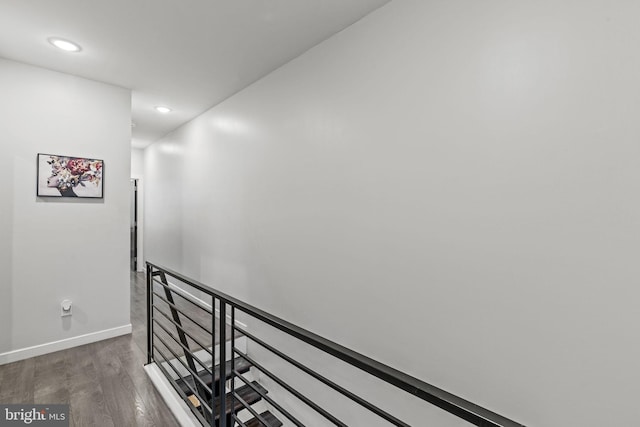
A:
<point x="236" y="419"/>
<point x="178" y="291"/>
<point x="203" y="401"/>
<point x="174" y="369"/>
<point x="193" y="374"/>
<point x="181" y="312"/>
<point x="195" y="391"/>
<point x="175" y="385"/>
<point x="270" y="400"/>
<point x="290" y="389"/>
<point x="250" y="408"/>
<point x="449" y="402"/>
<point x="187" y="349"/>
<point x="177" y="325"/>
<point x="326" y="381"/>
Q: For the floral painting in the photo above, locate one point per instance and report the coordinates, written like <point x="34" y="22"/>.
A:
<point x="64" y="176"/>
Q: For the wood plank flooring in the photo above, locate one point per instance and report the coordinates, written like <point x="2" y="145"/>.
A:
<point x="104" y="382"/>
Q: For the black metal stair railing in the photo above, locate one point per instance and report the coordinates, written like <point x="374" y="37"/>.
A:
<point x="222" y="395"/>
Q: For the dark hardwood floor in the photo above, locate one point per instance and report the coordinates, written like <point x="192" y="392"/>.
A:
<point x="103" y="382"/>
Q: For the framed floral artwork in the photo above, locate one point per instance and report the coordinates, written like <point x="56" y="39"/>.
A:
<point x="66" y="176"/>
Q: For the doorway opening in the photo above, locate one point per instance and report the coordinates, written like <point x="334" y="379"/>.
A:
<point x="134" y="225"/>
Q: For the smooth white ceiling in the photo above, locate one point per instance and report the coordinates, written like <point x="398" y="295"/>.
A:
<point x="187" y="54"/>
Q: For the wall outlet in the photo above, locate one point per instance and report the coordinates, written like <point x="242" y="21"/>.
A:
<point x="65" y="307"/>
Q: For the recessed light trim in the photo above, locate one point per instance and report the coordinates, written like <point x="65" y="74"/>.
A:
<point x="162" y="109"/>
<point x="65" y="45"/>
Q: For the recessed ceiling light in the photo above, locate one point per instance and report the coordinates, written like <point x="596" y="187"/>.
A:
<point x="162" y="109"/>
<point x="65" y="45"/>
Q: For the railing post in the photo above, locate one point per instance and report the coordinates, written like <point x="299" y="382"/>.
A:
<point x="213" y="363"/>
<point x="223" y="364"/>
<point x="149" y="314"/>
<point x="233" y="358"/>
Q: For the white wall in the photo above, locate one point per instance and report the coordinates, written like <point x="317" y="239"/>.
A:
<point x="163" y="205"/>
<point x="52" y="249"/>
<point x="448" y="187"/>
<point x="137" y="172"/>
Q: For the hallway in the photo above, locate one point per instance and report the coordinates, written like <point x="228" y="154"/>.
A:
<point x="104" y="382"/>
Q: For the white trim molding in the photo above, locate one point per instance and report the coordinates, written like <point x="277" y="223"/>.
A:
<point x="39" y="350"/>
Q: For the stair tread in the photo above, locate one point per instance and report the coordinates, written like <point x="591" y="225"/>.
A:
<point x="246" y="393"/>
<point x="271" y="420"/>
<point x="241" y="366"/>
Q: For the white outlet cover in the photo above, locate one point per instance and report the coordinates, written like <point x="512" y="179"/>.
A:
<point x="65" y="307"/>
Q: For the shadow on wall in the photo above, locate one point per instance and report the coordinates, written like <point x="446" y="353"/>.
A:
<point x="68" y="200"/>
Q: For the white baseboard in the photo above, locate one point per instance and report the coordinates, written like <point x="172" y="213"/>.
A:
<point x="177" y="406"/>
<point x="39" y="350"/>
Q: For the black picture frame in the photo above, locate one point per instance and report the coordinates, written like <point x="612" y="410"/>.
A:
<point x="69" y="176"/>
